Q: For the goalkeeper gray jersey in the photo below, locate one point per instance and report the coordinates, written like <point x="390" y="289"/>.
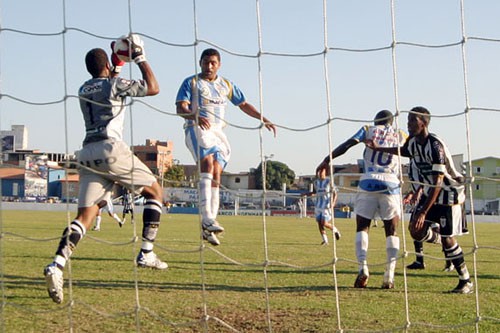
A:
<point x="102" y="101"/>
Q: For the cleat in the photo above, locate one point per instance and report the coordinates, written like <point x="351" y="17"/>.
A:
<point x="212" y="226"/>
<point x="449" y="267"/>
<point x="54" y="280"/>
<point x="324" y="243"/>
<point x="96" y="229"/>
<point x="361" y="280"/>
<point x="337" y="233"/>
<point x="416" y="265"/>
<point x="150" y="260"/>
<point x="388" y="285"/>
<point x="463" y="287"/>
<point x="210" y="237"/>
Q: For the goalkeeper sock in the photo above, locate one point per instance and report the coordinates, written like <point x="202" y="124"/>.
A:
<point x="151" y="222"/>
<point x="69" y="240"/>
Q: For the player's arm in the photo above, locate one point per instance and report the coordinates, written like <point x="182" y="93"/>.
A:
<point x="250" y="110"/>
<point x="183" y="110"/>
<point x="139" y="57"/>
<point x="339" y="151"/>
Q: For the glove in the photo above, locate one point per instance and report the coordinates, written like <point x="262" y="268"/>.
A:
<point x="137" y="47"/>
<point x="115" y="61"/>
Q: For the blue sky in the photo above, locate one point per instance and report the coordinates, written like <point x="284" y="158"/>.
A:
<point x="39" y="69"/>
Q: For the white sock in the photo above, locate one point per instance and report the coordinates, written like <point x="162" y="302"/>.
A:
<point x="205" y="195"/>
<point x="392" y="249"/>
<point x="98" y="221"/>
<point x="214" y="203"/>
<point x="324" y="237"/>
<point x="361" y="248"/>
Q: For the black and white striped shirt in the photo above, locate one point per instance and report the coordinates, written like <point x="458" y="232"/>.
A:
<point x="431" y="158"/>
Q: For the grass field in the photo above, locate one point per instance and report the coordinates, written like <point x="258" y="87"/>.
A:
<point x="108" y="294"/>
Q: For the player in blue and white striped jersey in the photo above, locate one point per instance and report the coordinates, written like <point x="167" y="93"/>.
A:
<point x="443" y="194"/>
<point x="202" y="101"/>
<point x="379" y="193"/>
<point x="325" y="195"/>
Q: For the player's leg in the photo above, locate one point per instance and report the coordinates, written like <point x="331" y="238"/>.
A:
<point x="92" y="190"/>
<point x="365" y="208"/>
<point x="321" y="227"/>
<point x="150" y="224"/>
<point x="392" y="250"/>
<point x="419" y="256"/>
<point x="452" y="250"/>
<point x="98" y="220"/>
<point x="130" y="172"/>
<point x="389" y="209"/>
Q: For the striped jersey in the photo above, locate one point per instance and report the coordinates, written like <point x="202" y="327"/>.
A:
<point x="102" y="101"/>
<point x="431" y="158"/>
<point x="209" y="97"/>
<point x="323" y="189"/>
<point x="381" y="170"/>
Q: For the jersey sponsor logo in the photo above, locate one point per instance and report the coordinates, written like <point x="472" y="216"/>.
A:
<point x="90" y="89"/>
<point x="98" y="162"/>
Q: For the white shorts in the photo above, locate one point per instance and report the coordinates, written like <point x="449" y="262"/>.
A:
<point x="323" y="215"/>
<point x="104" y="163"/>
<point x="373" y="204"/>
<point x="202" y="143"/>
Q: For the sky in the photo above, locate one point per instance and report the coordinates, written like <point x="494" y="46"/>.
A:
<point x="293" y="83"/>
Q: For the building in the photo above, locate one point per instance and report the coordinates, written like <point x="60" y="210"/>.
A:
<point x="157" y="155"/>
<point x="238" y="181"/>
<point x="15" y="139"/>
<point x="486" y="185"/>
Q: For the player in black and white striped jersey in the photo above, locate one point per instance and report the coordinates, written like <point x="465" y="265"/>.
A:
<point x="443" y="194"/>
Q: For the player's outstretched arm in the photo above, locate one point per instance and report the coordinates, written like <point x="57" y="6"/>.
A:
<point x="250" y="110"/>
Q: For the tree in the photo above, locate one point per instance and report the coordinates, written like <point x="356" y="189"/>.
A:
<point x="277" y="174"/>
<point x="174" y="176"/>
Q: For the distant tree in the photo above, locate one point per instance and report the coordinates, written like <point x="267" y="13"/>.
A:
<point x="174" y="176"/>
<point x="277" y="174"/>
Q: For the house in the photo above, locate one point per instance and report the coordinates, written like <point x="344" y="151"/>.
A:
<point x="486" y="185"/>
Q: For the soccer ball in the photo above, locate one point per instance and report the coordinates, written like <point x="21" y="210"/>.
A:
<point x="122" y="50"/>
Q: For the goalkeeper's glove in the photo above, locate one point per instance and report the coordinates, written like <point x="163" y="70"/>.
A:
<point x="137" y="48"/>
<point x="115" y="61"/>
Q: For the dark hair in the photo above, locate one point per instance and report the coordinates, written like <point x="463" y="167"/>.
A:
<point x="422" y="113"/>
<point x="209" y="53"/>
<point x="383" y="117"/>
<point x="96" y="60"/>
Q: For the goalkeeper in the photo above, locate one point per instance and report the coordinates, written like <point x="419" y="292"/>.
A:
<point x="106" y="159"/>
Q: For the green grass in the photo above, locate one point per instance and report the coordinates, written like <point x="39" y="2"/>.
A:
<point x="104" y="292"/>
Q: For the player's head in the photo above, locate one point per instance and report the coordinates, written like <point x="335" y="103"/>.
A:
<point x="418" y="121"/>
<point x="383" y="117"/>
<point x="322" y="173"/>
<point x="422" y="113"/>
<point x="209" y="63"/>
<point x="97" y="62"/>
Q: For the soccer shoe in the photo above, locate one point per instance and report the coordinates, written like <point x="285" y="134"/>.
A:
<point x="361" y="280"/>
<point x="416" y="265"/>
<point x="150" y="260"/>
<point x="96" y="229"/>
<point x="212" y="226"/>
<point x="337" y="233"/>
<point x="54" y="280"/>
<point x="463" y="287"/>
<point x="449" y="267"/>
<point x="210" y="237"/>
<point x="324" y="243"/>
